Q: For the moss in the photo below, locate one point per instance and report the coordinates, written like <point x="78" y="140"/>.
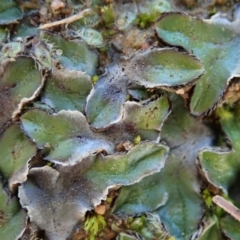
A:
<point x="108" y="15"/>
<point x="145" y="19"/>
<point x="95" y="79"/>
<point x="94" y="225"/>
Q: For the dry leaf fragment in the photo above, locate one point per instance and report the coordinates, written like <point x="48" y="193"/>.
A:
<point x="100" y="209"/>
<point x="227" y="206"/>
<point x="57" y="4"/>
<point x="68" y="20"/>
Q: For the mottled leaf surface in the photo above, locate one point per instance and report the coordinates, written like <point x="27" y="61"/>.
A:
<point x="142" y="160"/>
<point x="56" y="200"/>
<point x="67" y="135"/>
<point x="230" y="227"/>
<point x="12" y="219"/>
<point x="20" y="82"/>
<point x="12" y="49"/>
<point x="148" y="117"/>
<point x="24" y="30"/>
<point x="211" y="229"/>
<point x="3" y="34"/>
<point x="9" y="12"/>
<point x="75" y="54"/>
<point x="221" y="167"/>
<point x="143" y="119"/>
<point x="41" y="53"/>
<point x="215" y="44"/>
<point x="16" y="151"/>
<point x="163" y="67"/>
<point x="177" y="184"/>
<point x="125" y="236"/>
<point x="218" y="228"/>
<point x="152" y="6"/>
<point x="139" y="93"/>
<point x="66" y="90"/>
<point x="91" y="36"/>
<point x="105" y="103"/>
<point x="151" y="68"/>
<point x="125" y="14"/>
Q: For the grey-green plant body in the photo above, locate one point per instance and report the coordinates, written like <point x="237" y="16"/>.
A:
<point x="81" y="117"/>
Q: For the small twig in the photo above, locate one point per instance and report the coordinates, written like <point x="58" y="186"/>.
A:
<point x="65" y="20"/>
<point x="227" y="206"/>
